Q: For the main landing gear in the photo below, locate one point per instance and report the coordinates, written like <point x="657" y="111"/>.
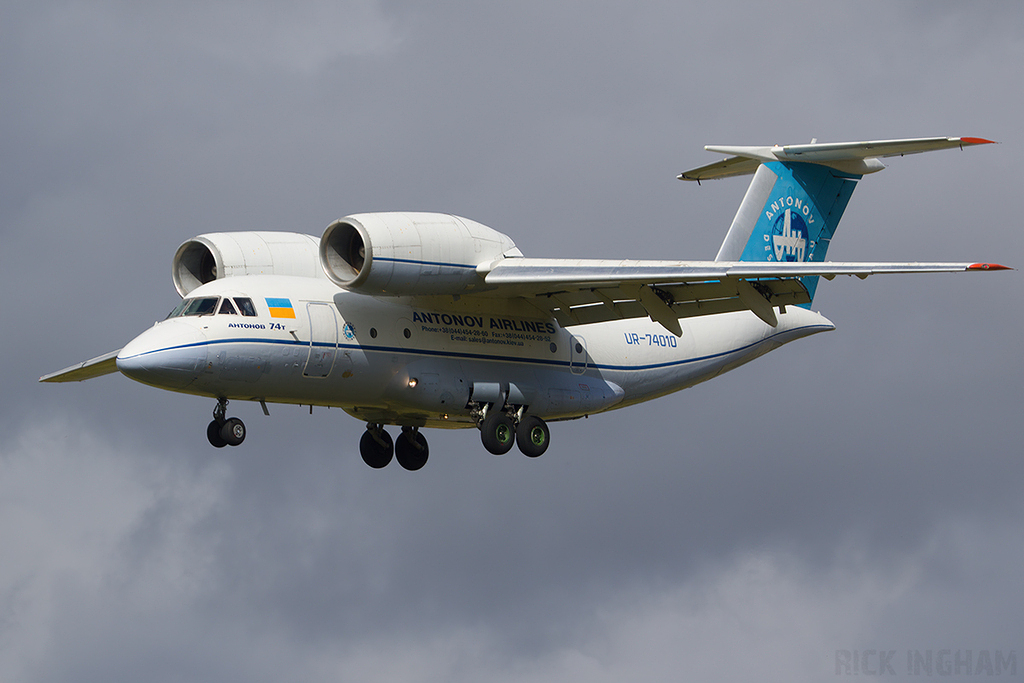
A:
<point x="377" y="449"/>
<point x="224" y="431"/>
<point x="498" y="431"/>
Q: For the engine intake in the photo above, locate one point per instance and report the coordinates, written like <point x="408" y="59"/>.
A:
<point x="410" y="253"/>
<point x="219" y="255"/>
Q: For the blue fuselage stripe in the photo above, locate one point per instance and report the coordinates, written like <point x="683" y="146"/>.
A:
<point x="482" y="356"/>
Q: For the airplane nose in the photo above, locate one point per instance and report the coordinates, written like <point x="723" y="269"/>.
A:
<point x="169" y="355"/>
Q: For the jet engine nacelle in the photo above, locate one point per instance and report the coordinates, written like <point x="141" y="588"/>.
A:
<point x="219" y="255"/>
<point x="410" y="253"/>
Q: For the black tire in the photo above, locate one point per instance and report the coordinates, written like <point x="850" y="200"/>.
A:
<point x="498" y="433"/>
<point x="533" y="436"/>
<point x="374" y="454"/>
<point x="411" y="450"/>
<point x="213" y="434"/>
<point x="233" y="431"/>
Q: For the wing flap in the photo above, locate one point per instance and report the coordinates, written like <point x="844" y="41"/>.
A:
<point x="578" y="292"/>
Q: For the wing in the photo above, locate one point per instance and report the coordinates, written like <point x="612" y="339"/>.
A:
<point x="95" y="367"/>
<point x="578" y="292"/>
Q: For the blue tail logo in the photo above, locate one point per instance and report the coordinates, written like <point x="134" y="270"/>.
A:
<point x="799" y="208"/>
<point x="789" y="238"/>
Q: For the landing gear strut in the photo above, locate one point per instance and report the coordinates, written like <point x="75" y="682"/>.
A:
<point x="223" y="431"/>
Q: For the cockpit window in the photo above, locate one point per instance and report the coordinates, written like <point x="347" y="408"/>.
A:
<point x="207" y="305"/>
<point x="201" y="306"/>
<point x="245" y="306"/>
<point x="178" y="309"/>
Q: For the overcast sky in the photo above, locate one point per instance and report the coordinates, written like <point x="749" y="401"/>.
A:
<point x="852" y="491"/>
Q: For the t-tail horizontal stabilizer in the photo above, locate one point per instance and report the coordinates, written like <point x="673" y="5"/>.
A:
<point x="857" y="158"/>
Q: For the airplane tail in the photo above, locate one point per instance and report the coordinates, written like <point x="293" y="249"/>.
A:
<point x="799" y="192"/>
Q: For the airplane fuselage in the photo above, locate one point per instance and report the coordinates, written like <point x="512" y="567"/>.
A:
<point x="425" y="361"/>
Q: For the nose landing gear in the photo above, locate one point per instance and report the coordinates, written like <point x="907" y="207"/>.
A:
<point x="223" y="431"/>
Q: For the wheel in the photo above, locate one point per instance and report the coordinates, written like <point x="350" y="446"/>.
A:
<point x="213" y="434"/>
<point x="411" y="449"/>
<point x="497" y="433"/>
<point x="232" y="431"/>
<point x="532" y="436"/>
<point x="376" y="454"/>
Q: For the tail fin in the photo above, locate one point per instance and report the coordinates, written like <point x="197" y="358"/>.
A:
<point x="790" y="212"/>
<point x="799" y="192"/>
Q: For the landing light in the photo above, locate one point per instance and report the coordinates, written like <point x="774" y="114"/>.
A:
<point x="413" y="382"/>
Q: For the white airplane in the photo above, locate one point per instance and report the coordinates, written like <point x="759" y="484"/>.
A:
<point x="431" y="320"/>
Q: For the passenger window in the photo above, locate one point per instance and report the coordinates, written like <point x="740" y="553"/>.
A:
<point x="245" y="306"/>
<point x="227" y="308"/>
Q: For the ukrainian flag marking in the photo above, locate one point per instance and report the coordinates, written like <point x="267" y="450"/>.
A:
<point x="281" y="308"/>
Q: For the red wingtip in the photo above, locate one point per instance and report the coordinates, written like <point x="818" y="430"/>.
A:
<point x="987" y="266"/>
<point x="977" y="141"/>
